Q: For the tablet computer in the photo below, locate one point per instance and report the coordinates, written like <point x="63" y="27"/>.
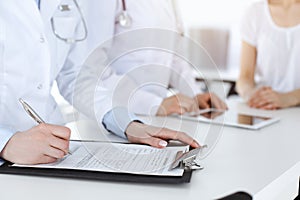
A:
<point x="231" y="118"/>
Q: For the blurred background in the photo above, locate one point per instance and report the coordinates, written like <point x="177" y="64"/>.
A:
<point x="215" y="25"/>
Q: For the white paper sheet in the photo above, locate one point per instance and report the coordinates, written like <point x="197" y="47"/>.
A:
<point x="116" y="157"/>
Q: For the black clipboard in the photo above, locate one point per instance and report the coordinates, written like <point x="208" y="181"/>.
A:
<point x="7" y="168"/>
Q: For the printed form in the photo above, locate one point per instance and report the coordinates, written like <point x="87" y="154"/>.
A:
<point x="119" y="158"/>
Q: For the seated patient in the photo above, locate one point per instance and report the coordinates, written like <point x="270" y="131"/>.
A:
<point x="270" y="61"/>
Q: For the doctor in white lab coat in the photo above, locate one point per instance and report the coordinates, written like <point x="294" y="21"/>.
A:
<point x="27" y="71"/>
<point x="31" y="58"/>
<point x="156" y="70"/>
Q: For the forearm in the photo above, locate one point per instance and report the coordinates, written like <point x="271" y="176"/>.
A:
<point x="246" y="83"/>
<point x="294" y="97"/>
<point x="245" y="88"/>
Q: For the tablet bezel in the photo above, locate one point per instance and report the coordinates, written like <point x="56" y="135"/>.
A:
<point x="257" y="126"/>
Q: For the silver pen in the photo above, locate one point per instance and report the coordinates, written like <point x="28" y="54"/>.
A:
<point x="33" y="114"/>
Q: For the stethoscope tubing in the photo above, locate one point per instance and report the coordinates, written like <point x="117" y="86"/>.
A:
<point x="124" y="8"/>
<point x="72" y="40"/>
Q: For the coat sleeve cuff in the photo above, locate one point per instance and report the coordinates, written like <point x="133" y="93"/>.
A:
<point x="117" y="120"/>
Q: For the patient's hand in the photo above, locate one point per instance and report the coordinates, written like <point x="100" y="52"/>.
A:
<point x="268" y="99"/>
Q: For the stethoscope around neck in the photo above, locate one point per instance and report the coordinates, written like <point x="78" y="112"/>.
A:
<point x="124" y="18"/>
<point x="70" y="40"/>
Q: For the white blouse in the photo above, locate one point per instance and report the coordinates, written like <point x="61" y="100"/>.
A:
<point x="278" y="48"/>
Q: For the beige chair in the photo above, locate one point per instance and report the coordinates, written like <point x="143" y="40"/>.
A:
<point x="215" y="42"/>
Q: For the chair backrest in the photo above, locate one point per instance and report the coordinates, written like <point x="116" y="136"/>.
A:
<point x="215" y="42"/>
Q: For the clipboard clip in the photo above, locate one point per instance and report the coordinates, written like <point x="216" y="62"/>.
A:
<point x="187" y="160"/>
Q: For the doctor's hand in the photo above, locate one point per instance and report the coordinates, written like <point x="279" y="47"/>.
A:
<point x="157" y="137"/>
<point x="210" y="100"/>
<point x="268" y="99"/>
<point x="177" y="104"/>
<point x="42" y="144"/>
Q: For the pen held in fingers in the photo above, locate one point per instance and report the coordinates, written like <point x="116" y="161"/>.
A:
<point x="31" y="112"/>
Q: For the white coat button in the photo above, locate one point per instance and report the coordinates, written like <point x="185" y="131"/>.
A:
<point x="40" y="86"/>
<point x="42" y="39"/>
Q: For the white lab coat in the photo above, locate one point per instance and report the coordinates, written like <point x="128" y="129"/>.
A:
<point x="25" y="65"/>
<point x="153" y="70"/>
<point x="31" y="58"/>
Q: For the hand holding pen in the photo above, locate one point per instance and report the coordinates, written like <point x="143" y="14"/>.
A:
<point x="44" y="143"/>
<point x="39" y="120"/>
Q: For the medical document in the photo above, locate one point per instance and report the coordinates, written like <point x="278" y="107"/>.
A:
<point x="119" y="158"/>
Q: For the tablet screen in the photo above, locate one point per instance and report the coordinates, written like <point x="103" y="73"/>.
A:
<point x="233" y="117"/>
<point x="230" y="118"/>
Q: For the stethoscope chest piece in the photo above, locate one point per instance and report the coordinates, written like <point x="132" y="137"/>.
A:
<point x="64" y="8"/>
<point x="124" y="19"/>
